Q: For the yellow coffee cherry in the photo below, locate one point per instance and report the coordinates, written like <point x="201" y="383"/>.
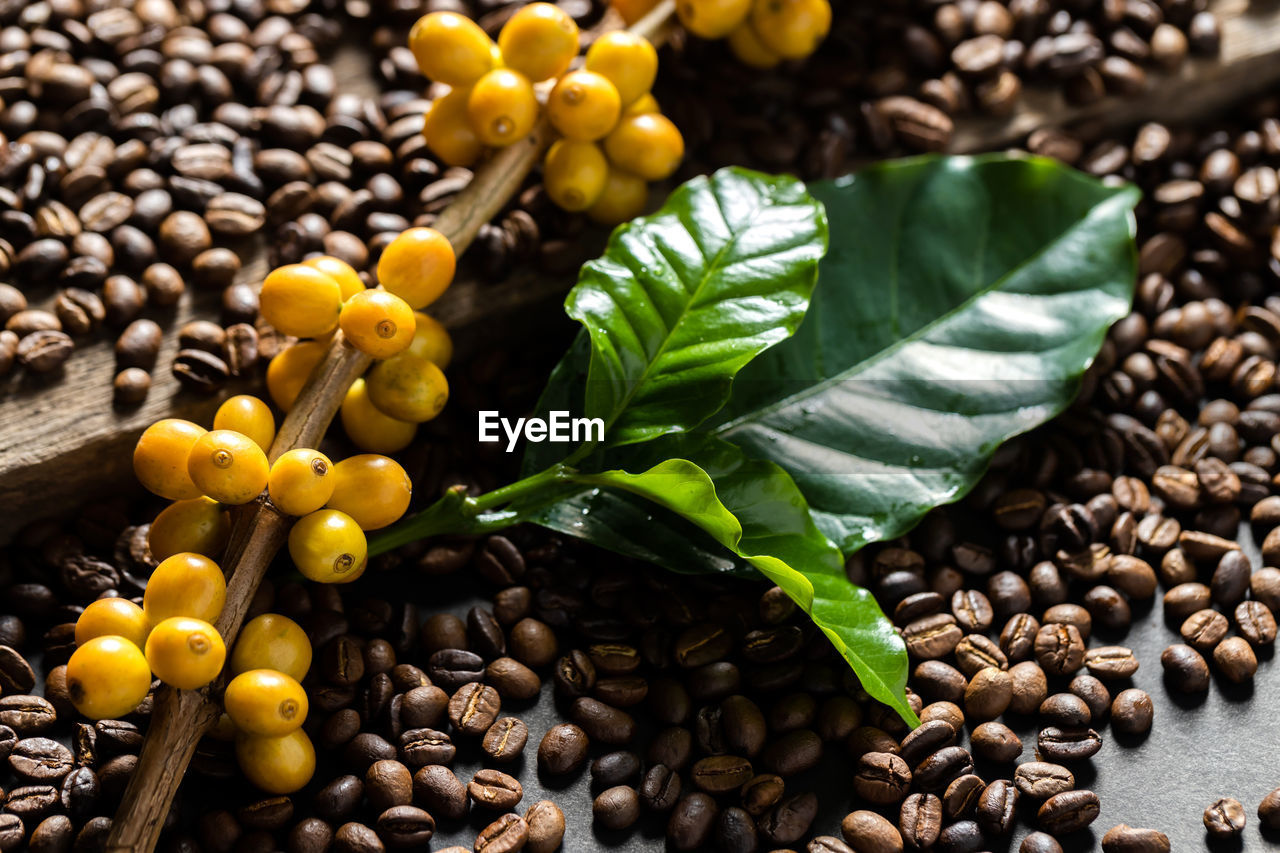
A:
<point x="574" y="173"/>
<point x="290" y="370"/>
<point x="301" y="481"/>
<point x="451" y="48"/>
<point x="265" y="702"/>
<point x="447" y="130"/>
<point x="749" y="50"/>
<point x="502" y="107"/>
<point x="108" y="617"/>
<point x="228" y="466"/>
<point x="431" y="340"/>
<point x="328" y="546"/>
<point x="160" y="458"/>
<point x="377" y="322"/>
<point x="626" y="60"/>
<point x="624" y="198"/>
<point x="648" y="146"/>
<point x="712" y="19"/>
<point x="300" y="300"/>
<point x="408" y="387"/>
<point x="201" y="525"/>
<point x="340" y="271"/>
<point x="539" y="41"/>
<point x="372" y="489"/>
<point x="368" y="428"/>
<point x="185" y="653"/>
<point x="272" y="641"/>
<point x="792" y="29"/>
<point x="417" y="266"/>
<point x="277" y="765"/>
<point x="584" y="105"/>
<point x="249" y="416"/>
<point x="185" y="585"/>
<point x="646" y="103"/>
<point x="107" y="677"/>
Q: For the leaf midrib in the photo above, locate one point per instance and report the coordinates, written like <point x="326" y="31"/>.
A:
<point x="760" y="414"/>
<point x="713" y="267"/>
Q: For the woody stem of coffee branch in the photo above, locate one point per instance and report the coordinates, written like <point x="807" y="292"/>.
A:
<point x="180" y="718"/>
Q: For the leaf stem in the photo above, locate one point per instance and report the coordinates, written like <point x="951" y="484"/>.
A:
<point x="457" y="513"/>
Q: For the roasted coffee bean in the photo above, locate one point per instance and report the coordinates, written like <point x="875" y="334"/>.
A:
<point x="692" y="821"/>
<point x="1269" y="810"/>
<point x="995" y="742"/>
<point x="405" y="826"/>
<point x="1030" y="687"/>
<point x="563" y="749"/>
<point x="1230" y="581"/>
<point x="1042" y="779"/>
<point x="388" y="783"/>
<point x="882" y="778"/>
<point x="420" y="747"/>
<point x="1068" y="812"/>
<point x="961" y="796"/>
<point x="1132" y="712"/>
<point x="493" y="789"/>
<point x="340" y="798"/>
<point x="988" y="694"/>
<point x="975" y="652"/>
<point x="423" y="707"/>
<point x="507" y="834"/>
<point x="789" y="820"/>
<point x="1111" y="662"/>
<point x="1185" y="669"/>
<point x="1057" y="744"/>
<point x="920" y="820"/>
<point x="660" y="788"/>
<point x="1017" y="639"/>
<point x="617" y="807"/>
<point x="937" y="680"/>
<point x="1127" y="839"/>
<point x="44" y="351"/>
<point x="972" y="610"/>
<point x="997" y="808"/>
<point x="436" y="788"/>
<point x="1235" y="659"/>
<point x="1065" y="710"/>
<point x="933" y="636"/>
<point x="1255" y="622"/>
<point x="866" y="830"/>
<point x="1059" y="649"/>
<point x="451" y="668"/>
<point x="546" y="827"/>
<point x="506" y="738"/>
<point x="474" y="708"/>
<point x="1185" y="599"/>
<point x="937" y="771"/>
<point x="1040" y="842"/>
<point x="603" y="723"/>
<point x="961" y="837"/>
<point x="718" y="774"/>
<point x="1204" y="629"/>
<point x="41" y="759"/>
<point x="25" y="715"/>
<point x="1225" y="818"/>
<point x="926" y="739"/>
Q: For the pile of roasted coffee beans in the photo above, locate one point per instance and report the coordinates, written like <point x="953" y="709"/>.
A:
<point x="896" y="76"/>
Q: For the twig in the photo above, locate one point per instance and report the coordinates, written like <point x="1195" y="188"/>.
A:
<point x="181" y="717"/>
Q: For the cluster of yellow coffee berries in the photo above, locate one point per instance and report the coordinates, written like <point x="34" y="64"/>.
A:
<point x="119" y="644"/>
<point x="406" y="385"/>
<point x="761" y="33"/>
<point x="203" y="472"/>
<point x="614" y="136"/>
<point x="266" y="704"/>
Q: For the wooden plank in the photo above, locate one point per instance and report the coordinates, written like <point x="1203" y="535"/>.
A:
<point x="61" y="441"/>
